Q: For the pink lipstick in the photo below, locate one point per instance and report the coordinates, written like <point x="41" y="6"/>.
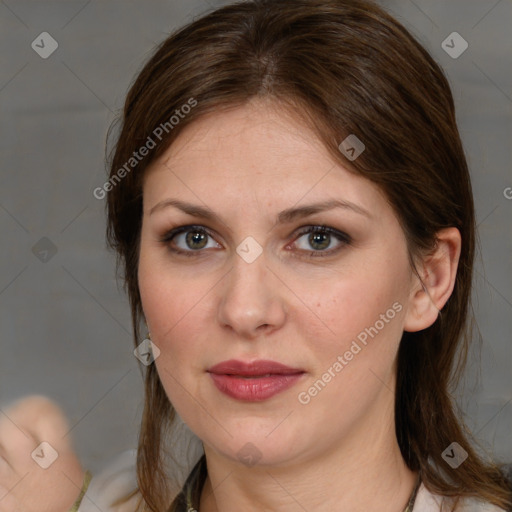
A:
<point x="253" y="382"/>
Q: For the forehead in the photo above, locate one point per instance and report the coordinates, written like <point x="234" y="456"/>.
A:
<point x="231" y="134"/>
<point x="258" y="150"/>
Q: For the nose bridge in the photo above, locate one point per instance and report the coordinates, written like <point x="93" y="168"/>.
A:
<point x="250" y="297"/>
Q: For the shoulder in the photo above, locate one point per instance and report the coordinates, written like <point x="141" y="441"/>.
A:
<point x="428" y="502"/>
<point x="117" y="480"/>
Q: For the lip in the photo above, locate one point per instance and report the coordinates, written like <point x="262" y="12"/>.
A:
<point x="254" y="368"/>
<point x="255" y="381"/>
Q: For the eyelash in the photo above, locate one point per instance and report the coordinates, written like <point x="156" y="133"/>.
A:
<point x="320" y="229"/>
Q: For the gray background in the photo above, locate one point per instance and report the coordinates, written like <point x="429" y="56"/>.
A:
<point x="65" y="327"/>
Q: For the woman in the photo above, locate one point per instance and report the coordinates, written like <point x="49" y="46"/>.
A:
<point x="307" y="198"/>
<point x="291" y="205"/>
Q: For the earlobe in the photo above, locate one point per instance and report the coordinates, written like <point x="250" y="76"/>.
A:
<point x="438" y="271"/>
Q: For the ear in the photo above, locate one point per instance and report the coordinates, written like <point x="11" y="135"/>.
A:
<point x="437" y="270"/>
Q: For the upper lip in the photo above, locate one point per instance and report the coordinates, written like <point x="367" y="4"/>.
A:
<point x="260" y="367"/>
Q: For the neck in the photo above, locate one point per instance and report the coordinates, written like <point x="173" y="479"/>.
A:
<point x="366" y="472"/>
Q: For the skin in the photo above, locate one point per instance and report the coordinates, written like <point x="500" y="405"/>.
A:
<point x="247" y="165"/>
<point x="298" y="310"/>
<point x="24" y="485"/>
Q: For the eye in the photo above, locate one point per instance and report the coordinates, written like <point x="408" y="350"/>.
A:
<point x="188" y="240"/>
<point x="191" y="240"/>
<point x="320" y="238"/>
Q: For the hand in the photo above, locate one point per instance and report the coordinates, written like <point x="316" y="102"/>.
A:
<point x="24" y="485"/>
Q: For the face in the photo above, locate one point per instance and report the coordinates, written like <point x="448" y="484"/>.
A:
<point x="256" y="245"/>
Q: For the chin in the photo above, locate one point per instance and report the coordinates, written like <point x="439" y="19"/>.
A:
<point x="253" y="445"/>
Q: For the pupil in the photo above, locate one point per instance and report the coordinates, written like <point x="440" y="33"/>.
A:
<point x="321" y="238"/>
<point x="193" y="237"/>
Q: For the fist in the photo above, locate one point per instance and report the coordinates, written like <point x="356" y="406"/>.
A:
<point x="39" y="471"/>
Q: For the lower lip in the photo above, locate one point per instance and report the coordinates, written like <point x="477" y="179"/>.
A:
<point x="254" y="389"/>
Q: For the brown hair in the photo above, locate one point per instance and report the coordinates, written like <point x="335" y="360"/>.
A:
<point x="347" y="67"/>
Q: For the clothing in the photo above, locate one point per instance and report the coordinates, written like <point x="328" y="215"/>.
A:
<point x="115" y="481"/>
<point x="85" y="486"/>
<point x="120" y="478"/>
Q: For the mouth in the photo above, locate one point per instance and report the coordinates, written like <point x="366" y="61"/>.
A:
<point x="260" y="368"/>
<point x="255" y="381"/>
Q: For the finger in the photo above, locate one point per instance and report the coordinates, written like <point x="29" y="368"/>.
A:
<point x="42" y="418"/>
<point x="16" y="446"/>
<point x="9" y="501"/>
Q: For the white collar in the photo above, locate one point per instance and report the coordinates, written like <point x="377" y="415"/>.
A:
<point x="428" y="502"/>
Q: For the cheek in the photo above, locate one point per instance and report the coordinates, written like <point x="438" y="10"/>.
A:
<point x="167" y="299"/>
<point x="351" y="303"/>
<point x="368" y="310"/>
<point x="175" y="311"/>
<point x="352" y="344"/>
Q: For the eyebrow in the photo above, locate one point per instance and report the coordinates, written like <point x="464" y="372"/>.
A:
<point x="286" y="216"/>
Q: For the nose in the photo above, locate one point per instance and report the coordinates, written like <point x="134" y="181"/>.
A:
<point x="251" y="302"/>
